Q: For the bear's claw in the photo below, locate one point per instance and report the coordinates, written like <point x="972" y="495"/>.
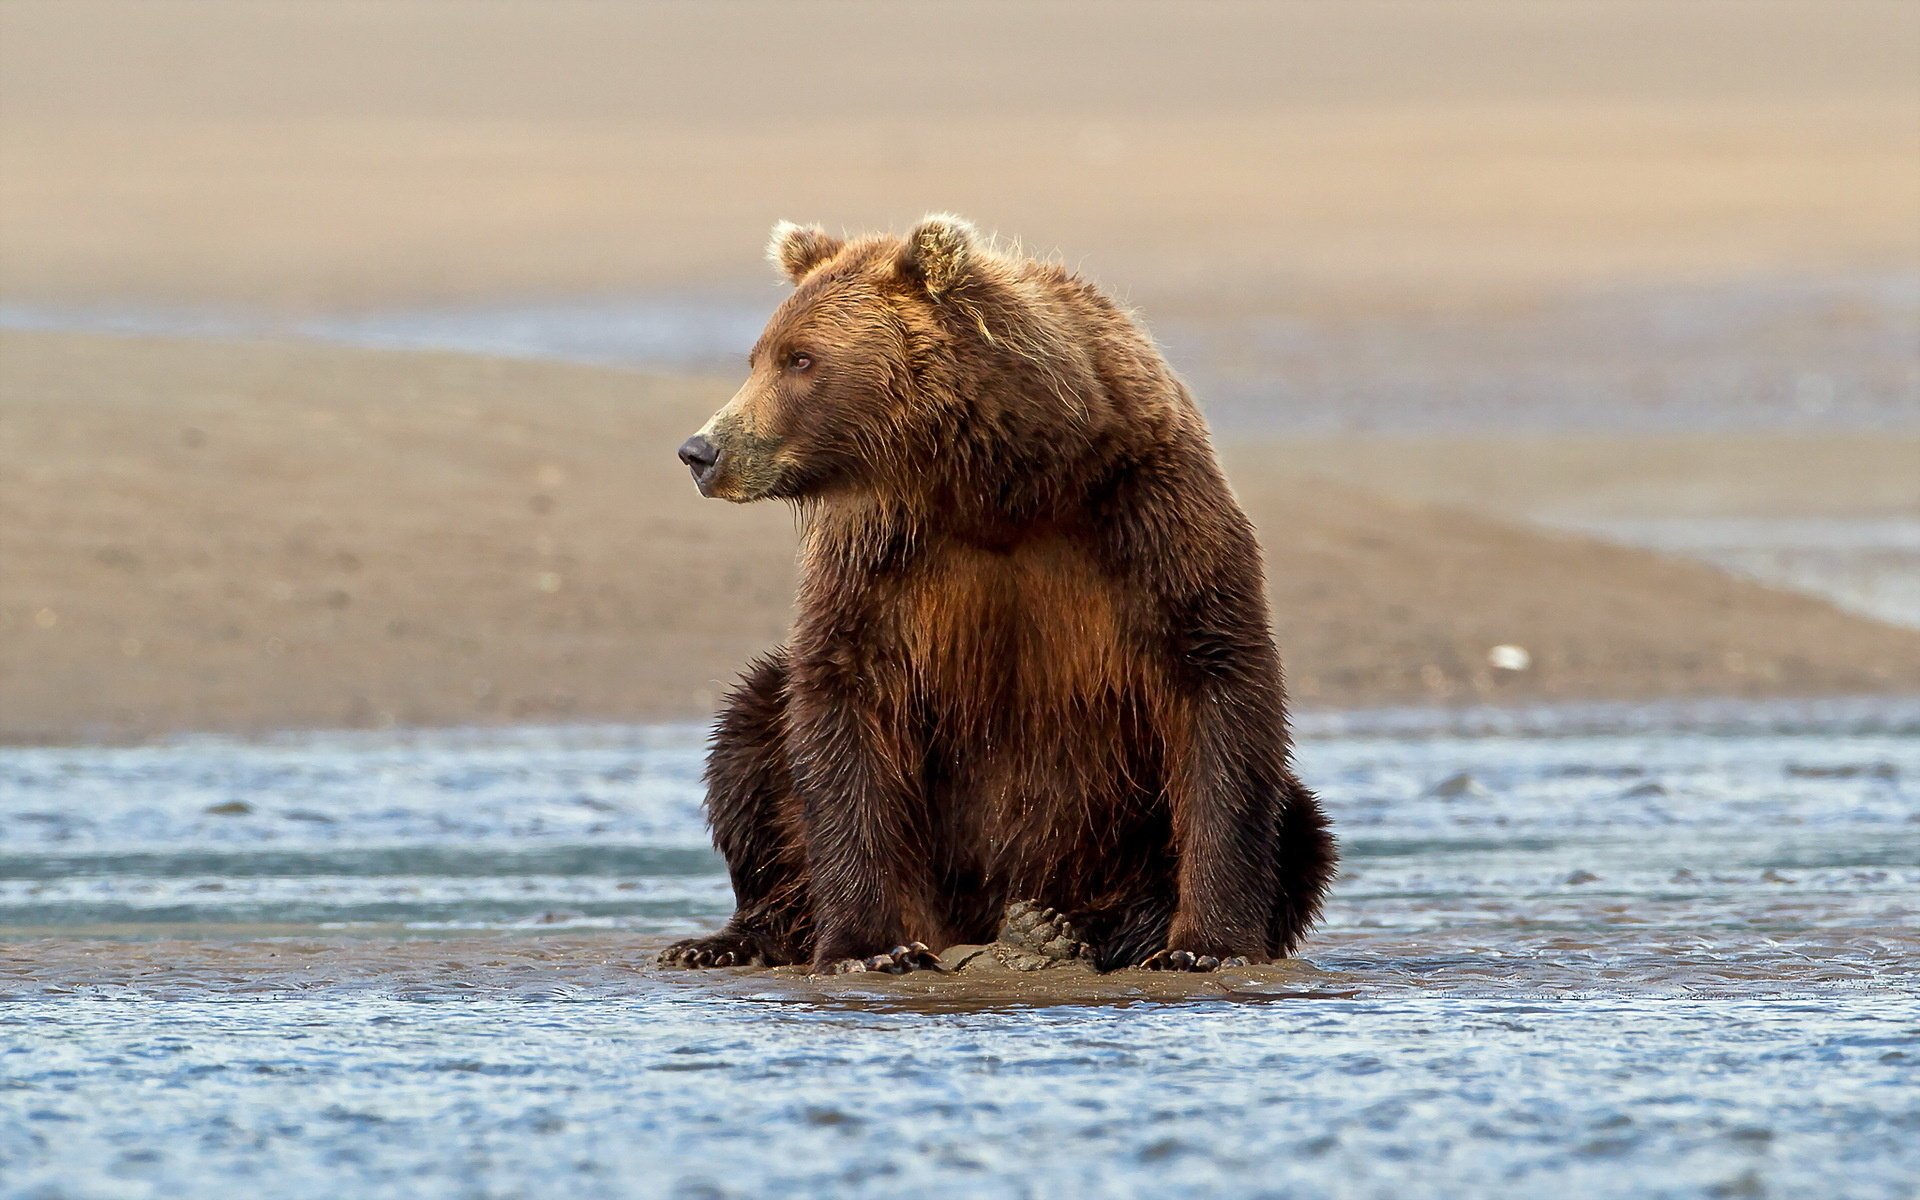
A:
<point x="1186" y="960"/>
<point x="720" y="950"/>
<point x="914" y="956"/>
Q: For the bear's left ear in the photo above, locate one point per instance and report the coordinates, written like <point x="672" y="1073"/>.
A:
<point x="940" y="252"/>
<point x="797" y="249"/>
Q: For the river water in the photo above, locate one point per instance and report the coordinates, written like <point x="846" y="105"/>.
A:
<point x="1600" y="952"/>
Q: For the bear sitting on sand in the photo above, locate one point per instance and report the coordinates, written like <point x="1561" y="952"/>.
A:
<point x="1031" y="662"/>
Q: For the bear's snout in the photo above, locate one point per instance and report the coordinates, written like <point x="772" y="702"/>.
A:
<point x="701" y="456"/>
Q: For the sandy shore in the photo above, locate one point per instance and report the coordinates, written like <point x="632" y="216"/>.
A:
<point x="294" y="962"/>
<point x="246" y="537"/>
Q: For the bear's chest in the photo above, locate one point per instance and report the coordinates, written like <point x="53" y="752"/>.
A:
<point x="1027" y="633"/>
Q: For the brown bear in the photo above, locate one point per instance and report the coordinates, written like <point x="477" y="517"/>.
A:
<point x="1031" y="659"/>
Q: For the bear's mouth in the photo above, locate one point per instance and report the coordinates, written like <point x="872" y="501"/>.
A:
<point x="703" y="460"/>
<point x="707" y="482"/>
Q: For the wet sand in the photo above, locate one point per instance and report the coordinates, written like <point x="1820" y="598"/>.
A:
<point x="582" y="966"/>
<point x="251" y="536"/>
<point x="296" y="964"/>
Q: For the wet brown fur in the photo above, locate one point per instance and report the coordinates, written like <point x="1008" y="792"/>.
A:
<point x="1031" y="658"/>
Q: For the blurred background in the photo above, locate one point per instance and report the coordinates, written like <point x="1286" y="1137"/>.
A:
<point x="344" y="348"/>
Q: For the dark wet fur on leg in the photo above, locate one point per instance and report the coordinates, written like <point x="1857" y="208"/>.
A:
<point x="1124" y="935"/>
<point x="1309" y="859"/>
<point x="755" y="818"/>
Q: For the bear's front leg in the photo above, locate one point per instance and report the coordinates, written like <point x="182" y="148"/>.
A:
<point x="755" y="818"/>
<point x="857" y="772"/>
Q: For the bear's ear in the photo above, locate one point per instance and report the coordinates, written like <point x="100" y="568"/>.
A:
<point x="797" y="249"/>
<point x="939" y="253"/>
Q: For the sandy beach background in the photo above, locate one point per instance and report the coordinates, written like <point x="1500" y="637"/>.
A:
<point x="1496" y="305"/>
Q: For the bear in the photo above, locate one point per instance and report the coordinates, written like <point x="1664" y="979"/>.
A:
<point x="1030" y="662"/>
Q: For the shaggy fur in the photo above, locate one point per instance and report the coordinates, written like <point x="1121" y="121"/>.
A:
<point x="1031" y="659"/>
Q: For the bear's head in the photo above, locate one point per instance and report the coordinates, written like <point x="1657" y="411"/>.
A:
<point x="891" y="366"/>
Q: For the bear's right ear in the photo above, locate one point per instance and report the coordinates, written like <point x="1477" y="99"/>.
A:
<point x="797" y="249"/>
<point x="940" y="252"/>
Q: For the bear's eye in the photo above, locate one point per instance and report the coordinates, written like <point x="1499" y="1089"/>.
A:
<point x="799" y="360"/>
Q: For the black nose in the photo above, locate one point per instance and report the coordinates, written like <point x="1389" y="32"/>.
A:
<point x="698" y="453"/>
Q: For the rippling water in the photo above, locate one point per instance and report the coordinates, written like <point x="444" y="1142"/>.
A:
<point x="1585" y="955"/>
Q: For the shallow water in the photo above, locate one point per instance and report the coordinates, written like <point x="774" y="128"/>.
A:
<point x="1867" y="565"/>
<point x="1616" y="952"/>
<point x="1781" y="353"/>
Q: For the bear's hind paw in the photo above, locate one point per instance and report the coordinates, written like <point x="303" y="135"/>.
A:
<point x="1044" y="931"/>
